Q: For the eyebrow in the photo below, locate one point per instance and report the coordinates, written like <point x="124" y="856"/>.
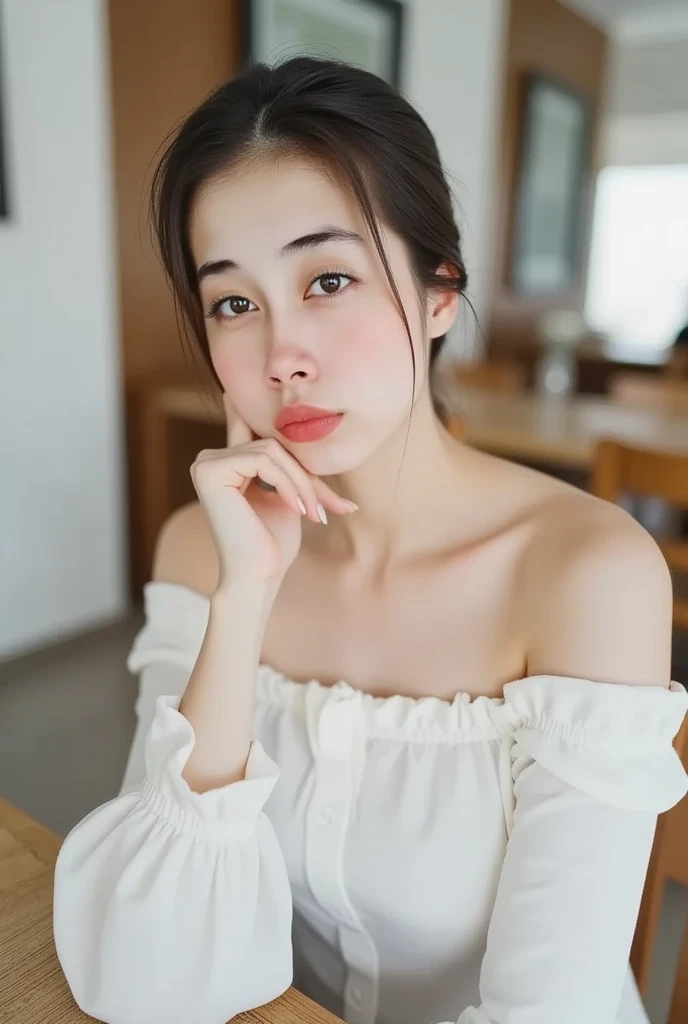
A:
<point x="328" y="233"/>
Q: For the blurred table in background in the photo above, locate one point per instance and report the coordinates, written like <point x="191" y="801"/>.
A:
<point x="559" y="434"/>
<point x="596" y="362"/>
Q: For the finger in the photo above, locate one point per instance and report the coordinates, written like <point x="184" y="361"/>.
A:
<point x="304" y="481"/>
<point x="238" y="432"/>
<point x="239" y="468"/>
<point x="219" y="455"/>
<point x="330" y="499"/>
<point x="317" y="495"/>
<point x="273" y="476"/>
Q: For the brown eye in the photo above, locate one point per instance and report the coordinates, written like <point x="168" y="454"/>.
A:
<point x="331" y="283"/>
<point x="230" y="307"/>
<point x="237" y="304"/>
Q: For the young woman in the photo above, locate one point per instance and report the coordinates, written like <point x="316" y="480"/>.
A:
<point x="407" y="708"/>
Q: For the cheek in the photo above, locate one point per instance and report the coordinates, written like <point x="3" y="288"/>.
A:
<point x="375" y="361"/>
<point x="227" y="366"/>
<point x="240" y="378"/>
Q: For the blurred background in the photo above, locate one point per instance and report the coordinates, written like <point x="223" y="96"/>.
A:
<point x="563" y="126"/>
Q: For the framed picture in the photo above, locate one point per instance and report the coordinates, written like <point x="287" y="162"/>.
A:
<point x="550" y="190"/>
<point x="367" y="33"/>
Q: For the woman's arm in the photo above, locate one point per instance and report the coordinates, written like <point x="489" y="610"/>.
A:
<point x="592" y="767"/>
<point x="173" y="905"/>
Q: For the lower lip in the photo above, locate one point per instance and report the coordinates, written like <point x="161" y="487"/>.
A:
<point x="311" y="430"/>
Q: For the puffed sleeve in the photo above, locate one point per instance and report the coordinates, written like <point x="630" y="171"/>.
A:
<point x="592" y="765"/>
<point x="173" y="906"/>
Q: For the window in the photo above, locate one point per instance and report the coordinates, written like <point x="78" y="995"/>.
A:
<point x="637" y="288"/>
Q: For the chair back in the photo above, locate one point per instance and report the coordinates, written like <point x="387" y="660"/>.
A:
<point x="678" y="1012"/>
<point x="668" y="862"/>
<point x="621" y="469"/>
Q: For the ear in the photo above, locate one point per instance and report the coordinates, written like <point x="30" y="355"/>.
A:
<point x="442" y="305"/>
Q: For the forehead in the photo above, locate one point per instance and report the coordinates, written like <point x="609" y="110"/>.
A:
<point x="262" y="205"/>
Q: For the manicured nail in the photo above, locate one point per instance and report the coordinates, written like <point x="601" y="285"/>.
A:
<point x="350" y="504"/>
<point x="322" y="515"/>
<point x="301" y="505"/>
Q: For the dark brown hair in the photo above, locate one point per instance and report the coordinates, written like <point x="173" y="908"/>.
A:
<point x="347" y="119"/>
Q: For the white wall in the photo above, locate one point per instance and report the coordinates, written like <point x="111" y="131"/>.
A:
<point x="645" y="140"/>
<point x="455" y="62"/>
<point x="61" y="513"/>
<point x="649" y="77"/>
<point x="647" y="121"/>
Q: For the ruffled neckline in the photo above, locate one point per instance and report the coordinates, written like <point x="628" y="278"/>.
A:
<point x="583" y="709"/>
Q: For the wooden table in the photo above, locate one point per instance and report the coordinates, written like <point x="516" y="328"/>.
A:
<point x="563" y="432"/>
<point x="527" y="428"/>
<point x="596" y="361"/>
<point x="33" y="989"/>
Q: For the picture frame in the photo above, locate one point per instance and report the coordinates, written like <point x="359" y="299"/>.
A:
<point x="550" y="190"/>
<point x="366" y="33"/>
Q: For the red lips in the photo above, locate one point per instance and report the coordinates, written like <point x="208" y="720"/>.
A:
<point x="300" y="414"/>
<point x="303" y="423"/>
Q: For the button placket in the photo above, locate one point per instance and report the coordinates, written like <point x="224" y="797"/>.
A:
<point x="362" y="989"/>
<point x="333" y="725"/>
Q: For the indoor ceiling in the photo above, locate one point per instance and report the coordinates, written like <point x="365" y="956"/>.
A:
<point x="611" y="11"/>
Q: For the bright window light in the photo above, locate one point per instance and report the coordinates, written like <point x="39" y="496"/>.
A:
<point x="637" y="289"/>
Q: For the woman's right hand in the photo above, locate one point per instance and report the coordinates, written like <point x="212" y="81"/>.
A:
<point x="258" y="532"/>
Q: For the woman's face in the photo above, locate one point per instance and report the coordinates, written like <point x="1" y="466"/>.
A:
<point x="294" y="316"/>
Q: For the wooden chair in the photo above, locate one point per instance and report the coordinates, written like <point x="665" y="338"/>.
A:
<point x="678" y="1012"/>
<point x="505" y="376"/>
<point x="620" y="469"/>
<point x="668" y="862"/>
<point x="648" y="390"/>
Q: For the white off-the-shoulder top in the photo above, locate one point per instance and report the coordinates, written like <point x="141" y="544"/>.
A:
<point x="406" y="861"/>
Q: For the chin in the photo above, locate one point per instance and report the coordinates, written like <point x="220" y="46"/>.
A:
<point x="318" y="460"/>
<point x="333" y="456"/>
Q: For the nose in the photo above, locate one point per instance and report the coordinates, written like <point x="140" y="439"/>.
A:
<point x="288" y="362"/>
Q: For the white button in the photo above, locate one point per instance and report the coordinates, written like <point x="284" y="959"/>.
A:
<point x="324" y="816"/>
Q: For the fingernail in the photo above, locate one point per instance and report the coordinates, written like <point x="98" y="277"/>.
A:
<point x="301" y="505"/>
<point x="322" y="514"/>
<point x="350" y="504"/>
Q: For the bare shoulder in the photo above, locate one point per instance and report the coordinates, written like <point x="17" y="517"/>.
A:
<point x="598" y="594"/>
<point x="185" y="552"/>
<point x="574" y="524"/>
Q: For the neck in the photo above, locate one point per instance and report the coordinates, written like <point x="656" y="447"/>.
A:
<point x="412" y="478"/>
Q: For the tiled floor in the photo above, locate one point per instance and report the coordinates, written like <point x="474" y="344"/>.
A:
<point x="66" y="722"/>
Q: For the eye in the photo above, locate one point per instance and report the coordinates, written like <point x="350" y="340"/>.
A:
<point x="330" y="282"/>
<point x="231" y="307"/>
<point x="236" y="307"/>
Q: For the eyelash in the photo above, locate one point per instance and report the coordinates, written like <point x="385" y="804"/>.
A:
<point x="213" y="312"/>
